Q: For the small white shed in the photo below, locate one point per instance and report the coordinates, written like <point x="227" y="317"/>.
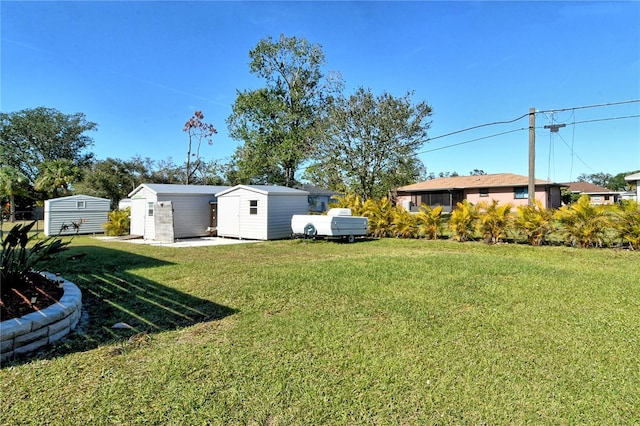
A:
<point x="165" y="212"/>
<point x="259" y="212"/>
<point x="81" y="214"/>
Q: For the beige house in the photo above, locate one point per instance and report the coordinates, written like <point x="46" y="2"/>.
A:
<point x="598" y="195"/>
<point x="502" y="187"/>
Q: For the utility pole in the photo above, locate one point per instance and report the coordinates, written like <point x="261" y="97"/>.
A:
<point x="532" y="156"/>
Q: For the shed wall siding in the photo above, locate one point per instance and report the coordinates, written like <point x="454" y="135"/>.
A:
<point x="281" y="210"/>
<point x="61" y="213"/>
<point x="190" y="214"/>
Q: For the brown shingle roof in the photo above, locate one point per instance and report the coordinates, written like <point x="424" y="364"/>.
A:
<point x="483" y="181"/>
<point x="587" y="188"/>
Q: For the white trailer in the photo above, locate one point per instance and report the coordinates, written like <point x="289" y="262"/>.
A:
<point x="337" y="223"/>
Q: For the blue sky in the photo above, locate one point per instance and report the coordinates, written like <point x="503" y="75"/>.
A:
<point x="140" y="70"/>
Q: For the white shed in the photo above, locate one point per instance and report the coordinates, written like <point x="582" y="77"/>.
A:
<point x="259" y="212"/>
<point x="165" y="212"/>
<point x="81" y="214"/>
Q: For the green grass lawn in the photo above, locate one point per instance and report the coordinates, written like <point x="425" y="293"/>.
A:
<point x="376" y="332"/>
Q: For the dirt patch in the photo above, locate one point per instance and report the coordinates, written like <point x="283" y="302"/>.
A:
<point x="34" y="294"/>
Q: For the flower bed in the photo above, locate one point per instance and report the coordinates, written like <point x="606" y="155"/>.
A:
<point x="20" y="336"/>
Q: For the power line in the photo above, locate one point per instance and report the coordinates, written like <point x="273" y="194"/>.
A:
<point x="473" y="140"/>
<point x="494" y="123"/>
<point x="590" y="106"/>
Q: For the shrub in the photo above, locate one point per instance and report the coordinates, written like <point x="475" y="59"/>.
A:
<point x="20" y="255"/>
<point x="495" y="220"/>
<point x="380" y="214"/>
<point x="429" y="221"/>
<point x="626" y="222"/>
<point x="404" y="224"/>
<point x="534" y="222"/>
<point x="463" y="220"/>
<point x="583" y="224"/>
<point x="119" y="222"/>
<point x="348" y="201"/>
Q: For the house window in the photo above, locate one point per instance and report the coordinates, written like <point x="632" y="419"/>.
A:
<point x="149" y="209"/>
<point x="484" y="192"/>
<point x="521" y="192"/>
<point x="606" y="197"/>
<point x="81" y="204"/>
<point x="253" y="206"/>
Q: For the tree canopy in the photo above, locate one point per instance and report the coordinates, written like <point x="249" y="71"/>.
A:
<point x="31" y="137"/>
<point x="372" y="143"/>
<point x="280" y="123"/>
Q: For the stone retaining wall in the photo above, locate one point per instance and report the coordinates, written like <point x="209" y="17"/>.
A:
<point x="19" y="336"/>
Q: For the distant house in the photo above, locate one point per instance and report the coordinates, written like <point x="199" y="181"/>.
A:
<point x="597" y="194"/>
<point x="634" y="180"/>
<point x="502" y="187"/>
<point x="76" y="214"/>
<point x="319" y="198"/>
<point x="259" y="212"/>
<point x="165" y="212"/>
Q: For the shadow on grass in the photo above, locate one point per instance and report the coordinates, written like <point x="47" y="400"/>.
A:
<point x="112" y="294"/>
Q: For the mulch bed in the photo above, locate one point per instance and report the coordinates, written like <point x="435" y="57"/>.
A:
<point x="16" y="302"/>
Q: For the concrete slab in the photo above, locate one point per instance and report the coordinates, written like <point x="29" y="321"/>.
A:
<point x="186" y="242"/>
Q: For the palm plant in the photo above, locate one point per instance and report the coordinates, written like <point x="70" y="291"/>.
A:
<point x="583" y="224"/>
<point x="12" y="183"/>
<point x="403" y="224"/>
<point x="626" y="221"/>
<point x="495" y="220"/>
<point x="380" y="215"/>
<point x="535" y="222"/>
<point x="350" y="201"/>
<point x="429" y="221"/>
<point x="56" y="175"/>
<point x="119" y="222"/>
<point x="463" y="220"/>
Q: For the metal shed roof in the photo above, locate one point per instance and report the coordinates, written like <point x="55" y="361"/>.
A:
<point x="265" y="190"/>
<point x="171" y="189"/>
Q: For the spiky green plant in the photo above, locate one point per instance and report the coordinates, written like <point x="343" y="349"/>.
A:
<point x="119" y="222"/>
<point x="21" y="255"/>
<point x="582" y="223"/>
<point x="429" y="221"/>
<point x="534" y="222"/>
<point x="626" y="222"/>
<point x="494" y="220"/>
<point x="463" y="220"/>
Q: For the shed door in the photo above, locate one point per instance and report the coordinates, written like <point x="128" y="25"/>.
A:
<point x="232" y="216"/>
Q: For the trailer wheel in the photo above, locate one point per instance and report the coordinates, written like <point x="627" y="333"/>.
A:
<point x="309" y="230"/>
<point x="351" y="238"/>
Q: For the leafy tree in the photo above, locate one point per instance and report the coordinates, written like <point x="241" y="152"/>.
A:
<point x="372" y="142"/>
<point x="280" y="123"/>
<point x="31" y="137"/>
<point x="12" y="183"/>
<point x="198" y="131"/>
<point x="477" y="172"/>
<point x="57" y="176"/>
<point x="111" y="178"/>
